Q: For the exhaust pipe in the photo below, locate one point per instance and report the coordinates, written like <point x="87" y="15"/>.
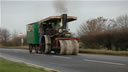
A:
<point x="64" y="21"/>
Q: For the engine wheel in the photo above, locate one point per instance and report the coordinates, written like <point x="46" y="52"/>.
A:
<point x="46" y="44"/>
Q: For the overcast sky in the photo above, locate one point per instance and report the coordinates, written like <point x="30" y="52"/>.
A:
<point x="16" y="14"/>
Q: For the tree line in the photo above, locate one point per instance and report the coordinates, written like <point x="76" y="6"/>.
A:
<point x="100" y="32"/>
<point x="10" y="39"/>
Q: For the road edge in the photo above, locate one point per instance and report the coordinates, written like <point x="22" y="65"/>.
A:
<point x="30" y="64"/>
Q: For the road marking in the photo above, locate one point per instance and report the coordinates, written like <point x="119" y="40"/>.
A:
<point x="40" y="54"/>
<point x="103" y="62"/>
<point x="63" y="57"/>
<point x="44" y="55"/>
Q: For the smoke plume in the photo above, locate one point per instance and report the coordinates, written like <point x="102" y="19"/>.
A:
<point x="60" y="6"/>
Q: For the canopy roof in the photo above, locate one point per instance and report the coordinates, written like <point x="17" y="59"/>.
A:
<point x="57" y="18"/>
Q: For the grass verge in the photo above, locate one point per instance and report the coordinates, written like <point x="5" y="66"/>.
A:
<point x="103" y="51"/>
<point x="18" y="47"/>
<point x="9" y="66"/>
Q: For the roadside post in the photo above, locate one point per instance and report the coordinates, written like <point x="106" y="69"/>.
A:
<point x="22" y="39"/>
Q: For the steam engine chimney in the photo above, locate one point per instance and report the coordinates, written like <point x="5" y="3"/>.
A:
<point x="64" y="21"/>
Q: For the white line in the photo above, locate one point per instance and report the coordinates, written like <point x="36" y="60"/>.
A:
<point x="103" y="62"/>
<point x="44" y="55"/>
<point x="63" y="57"/>
<point x="39" y="54"/>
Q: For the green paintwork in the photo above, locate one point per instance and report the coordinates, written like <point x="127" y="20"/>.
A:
<point x="33" y="36"/>
<point x="44" y="23"/>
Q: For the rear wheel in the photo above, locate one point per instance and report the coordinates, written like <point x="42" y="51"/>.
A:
<point x="30" y="48"/>
<point x="45" y="46"/>
<point x="36" y="49"/>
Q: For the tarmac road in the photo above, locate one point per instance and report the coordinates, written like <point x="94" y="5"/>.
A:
<point x="71" y="63"/>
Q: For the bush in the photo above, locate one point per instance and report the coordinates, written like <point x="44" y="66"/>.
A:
<point x="113" y="36"/>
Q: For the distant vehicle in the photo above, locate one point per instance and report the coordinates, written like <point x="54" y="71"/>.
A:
<point x="52" y="34"/>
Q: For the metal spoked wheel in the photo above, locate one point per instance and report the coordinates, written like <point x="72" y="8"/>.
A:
<point x="47" y="47"/>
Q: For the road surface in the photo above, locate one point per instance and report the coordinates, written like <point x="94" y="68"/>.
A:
<point x="71" y="63"/>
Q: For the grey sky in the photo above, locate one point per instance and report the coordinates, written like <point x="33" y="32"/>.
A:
<point x="16" y="14"/>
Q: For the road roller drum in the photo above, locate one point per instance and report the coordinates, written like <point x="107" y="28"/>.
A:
<point x="69" y="47"/>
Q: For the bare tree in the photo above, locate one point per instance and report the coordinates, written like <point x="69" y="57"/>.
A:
<point x="15" y="39"/>
<point x="4" y="34"/>
<point x="118" y="24"/>
<point x="93" y="26"/>
<point x="0" y="34"/>
<point x="122" y="22"/>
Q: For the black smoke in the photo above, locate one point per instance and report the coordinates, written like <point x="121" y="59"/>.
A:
<point x="60" y="6"/>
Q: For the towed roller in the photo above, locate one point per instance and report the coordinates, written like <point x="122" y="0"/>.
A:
<point x="69" y="47"/>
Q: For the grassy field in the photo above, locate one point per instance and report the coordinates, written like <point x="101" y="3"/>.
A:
<point x="104" y="51"/>
<point x="9" y="66"/>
